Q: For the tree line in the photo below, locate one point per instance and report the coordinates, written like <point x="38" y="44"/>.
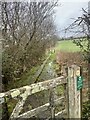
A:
<point x="28" y="30"/>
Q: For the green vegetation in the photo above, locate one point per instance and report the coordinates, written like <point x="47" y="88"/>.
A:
<point x="25" y="48"/>
<point x="60" y="90"/>
<point x="86" y="109"/>
<point x="67" y="45"/>
<point x="29" y="77"/>
<point x="11" y="105"/>
<point x="26" y="79"/>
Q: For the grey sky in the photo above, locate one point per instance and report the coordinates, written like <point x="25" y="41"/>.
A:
<point x="65" y="12"/>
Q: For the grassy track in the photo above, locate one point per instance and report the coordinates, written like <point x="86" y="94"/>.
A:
<point x="67" y="46"/>
<point x="29" y="77"/>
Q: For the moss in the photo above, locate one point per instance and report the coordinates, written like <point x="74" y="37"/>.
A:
<point x="86" y="109"/>
<point x="26" y="79"/>
<point x="59" y="90"/>
<point x="11" y="104"/>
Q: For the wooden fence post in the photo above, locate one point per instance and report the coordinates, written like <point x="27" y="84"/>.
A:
<point x="65" y="73"/>
<point x="74" y="94"/>
<point x="67" y="95"/>
<point x="71" y="92"/>
<point x="51" y="101"/>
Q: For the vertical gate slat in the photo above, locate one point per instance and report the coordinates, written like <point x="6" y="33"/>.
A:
<point x="51" y="101"/>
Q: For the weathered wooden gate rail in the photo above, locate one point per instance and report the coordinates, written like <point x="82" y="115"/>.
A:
<point x="72" y="95"/>
<point x="23" y="92"/>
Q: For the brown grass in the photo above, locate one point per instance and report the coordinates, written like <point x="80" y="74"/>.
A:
<point x="75" y="58"/>
<point x="70" y="58"/>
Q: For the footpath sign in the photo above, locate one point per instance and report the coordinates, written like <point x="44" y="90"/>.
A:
<point x="79" y="82"/>
<point x="75" y="83"/>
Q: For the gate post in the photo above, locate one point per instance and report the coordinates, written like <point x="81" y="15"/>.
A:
<point x="51" y="101"/>
<point x="74" y="92"/>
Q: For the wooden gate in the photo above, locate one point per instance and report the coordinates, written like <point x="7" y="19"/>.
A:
<point x="71" y="97"/>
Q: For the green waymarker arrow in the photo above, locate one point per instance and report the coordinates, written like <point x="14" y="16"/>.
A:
<point x="79" y="82"/>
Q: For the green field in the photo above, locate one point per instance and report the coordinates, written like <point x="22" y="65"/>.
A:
<point x="67" y="45"/>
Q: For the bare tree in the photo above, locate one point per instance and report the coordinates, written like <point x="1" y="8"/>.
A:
<point x="81" y="27"/>
<point x="27" y="28"/>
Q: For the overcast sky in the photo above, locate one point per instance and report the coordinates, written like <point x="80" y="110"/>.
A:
<point x="66" y="11"/>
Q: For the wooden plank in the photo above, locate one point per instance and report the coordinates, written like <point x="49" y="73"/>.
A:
<point x="25" y="91"/>
<point x="58" y="114"/>
<point x="61" y="112"/>
<point x="18" y="107"/>
<point x="36" y="111"/>
<point x="33" y="88"/>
